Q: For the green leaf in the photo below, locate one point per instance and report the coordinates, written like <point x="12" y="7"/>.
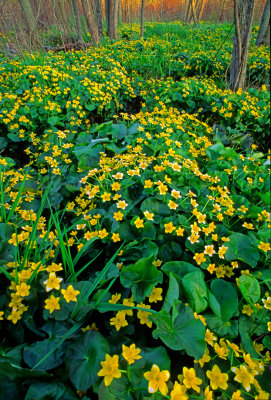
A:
<point x="149" y="354"/>
<point x="90" y="107"/>
<point x="172" y="293"/>
<point x="7" y="250"/>
<point x="12" y="378"/>
<point x="182" y="332"/>
<point x="118" y="131"/>
<point x="195" y="290"/>
<point x="226" y="296"/>
<point x="53" y="120"/>
<point x="221" y="328"/>
<point x="156" y="207"/>
<point x="50" y="390"/>
<point x="240" y="248"/>
<point x="35" y="352"/>
<point x="13" y="137"/>
<point x="214" y="304"/>
<point x="83" y="358"/>
<point x="250" y="288"/>
<point x="178" y="268"/>
<point x="245" y="336"/>
<point x="141" y="277"/>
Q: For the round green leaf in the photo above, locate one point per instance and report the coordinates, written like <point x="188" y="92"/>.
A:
<point x="226" y="296"/>
<point x="83" y="359"/>
<point x="250" y="288"/>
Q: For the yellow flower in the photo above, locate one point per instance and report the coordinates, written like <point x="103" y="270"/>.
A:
<point x="267" y="303"/>
<point x="143" y="316"/>
<point x="199" y="258"/>
<point x="15" y="316"/>
<point x="110" y="369"/>
<point x="237" y="395"/>
<point x="264" y="247"/>
<point x="157" y="380"/>
<point x="243" y="376"/>
<point x="211" y="268"/>
<point x="169" y="228"/>
<point x="114" y="298"/>
<point x="52" y="282"/>
<point x="162" y="188"/>
<point x="209" y="250"/>
<point x="148" y="184"/>
<point x="130" y="353"/>
<point x="175" y="194"/>
<point x="157" y="263"/>
<point x="102" y="234"/>
<point x="262" y="396"/>
<point x="247" y="309"/>
<point x="155" y="295"/>
<point x="139" y="223"/>
<point x="172" y="205"/>
<point x="122" y="204"/>
<point x="106" y="196"/>
<point x="208" y="394"/>
<point x="148" y="215"/>
<point x="1" y="315"/>
<point x="52" y="304"/>
<point x="118" y="216"/>
<point x="70" y="294"/>
<point x="180" y="231"/>
<point x="115" y="186"/>
<point x="221" y="251"/>
<point x="119" y="320"/>
<point x="193" y="238"/>
<point x="178" y="392"/>
<point x="204" y="359"/>
<point x="190" y="380"/>
<point x="217" y="378"/>
<point x="22" y="289"/>
<point x="115" y="237"/>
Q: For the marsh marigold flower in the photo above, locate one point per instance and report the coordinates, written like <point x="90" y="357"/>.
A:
<point x="243" y="376"/>
<point x="70" y="294"/>
<point x="190" y="380"/>
<point x="217" y="378"/>
<point x="157" y="380"/>
<point x="155" y="295"/>
<point x="130" y="353"/>
<point x="119" y="320"/>
<point x="52" y="304"/>
<point x="178" y="392"/>
<point x="110" y="369"/>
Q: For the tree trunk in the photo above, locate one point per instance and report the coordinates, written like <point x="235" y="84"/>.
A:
<point x="201" y="9"/>
<point x="186" y="4"/>
<point x="193" y="11"/>
<point x="120" y="12"/>
<point x="115" y="19"/>
<point x="221" y="9"/>
<point x="77" y="20"/>
<point x="28" y="15"/>
<point x="90" y="21"/>
<point x="97" y="9"/>
<point x="263" y="37"/>
<point x="142" y="18"/>
<point x="243" y="16"/>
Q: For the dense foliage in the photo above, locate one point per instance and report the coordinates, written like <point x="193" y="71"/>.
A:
<point x="135" y="221"/>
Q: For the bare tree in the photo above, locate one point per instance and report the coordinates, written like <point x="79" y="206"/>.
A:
<point x="98" y="15"/>
<point x="243" y="17"/>
<point x="90" y="21"/>
<point x="263" y="37"/>
<point x="142" y="18"/>
<point x="111" y="13"/>
<point x="77" y="20"/>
